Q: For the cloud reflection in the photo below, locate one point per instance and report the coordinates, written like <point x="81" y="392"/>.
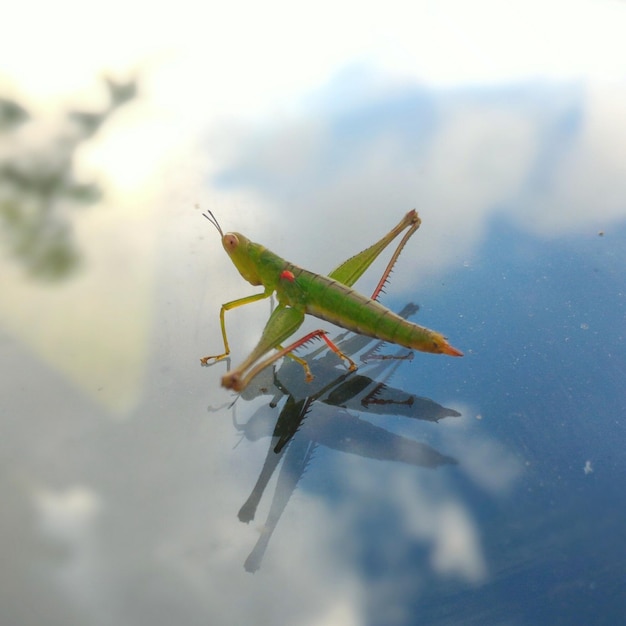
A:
<point x="544" y="155"/>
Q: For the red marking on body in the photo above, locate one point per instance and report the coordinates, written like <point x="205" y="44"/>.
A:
<point x="287" y="275"/>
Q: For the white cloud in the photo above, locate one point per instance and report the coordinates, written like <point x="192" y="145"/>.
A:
<point x="429" y="512"/>
<point x="64" y="514"/>
<point x="441" y="520"/>
<point x="70" y="517"/>
<point x="457" y="550"/>
<point x="240" y="57"/>
<point x="588" y="186"/>
<point x="491" y="41"/>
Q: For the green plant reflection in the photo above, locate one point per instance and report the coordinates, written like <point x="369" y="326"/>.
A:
<point x="39" y="188"/>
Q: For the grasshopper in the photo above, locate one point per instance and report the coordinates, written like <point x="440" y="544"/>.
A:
<point x="331" y="298"/>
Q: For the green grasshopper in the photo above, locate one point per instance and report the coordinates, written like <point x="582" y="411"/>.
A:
<point x="330" y="298"/>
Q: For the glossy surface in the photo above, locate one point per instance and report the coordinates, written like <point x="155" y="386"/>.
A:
<point x="481" y="490"/>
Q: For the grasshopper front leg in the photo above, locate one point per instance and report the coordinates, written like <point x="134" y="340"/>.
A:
<point x="226" y="307"/>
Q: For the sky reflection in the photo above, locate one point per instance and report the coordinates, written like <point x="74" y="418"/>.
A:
<point x="122" y="484"/>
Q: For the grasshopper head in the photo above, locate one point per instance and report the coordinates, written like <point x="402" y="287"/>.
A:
<point x="240" y="250"/>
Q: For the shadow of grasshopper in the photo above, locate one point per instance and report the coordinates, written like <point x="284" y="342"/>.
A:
<point x="319" y="413"/>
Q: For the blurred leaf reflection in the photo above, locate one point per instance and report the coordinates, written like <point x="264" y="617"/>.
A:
<point x="38" y="189"/>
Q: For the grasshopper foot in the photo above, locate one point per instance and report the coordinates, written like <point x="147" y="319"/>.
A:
<point x="204" y="361"/>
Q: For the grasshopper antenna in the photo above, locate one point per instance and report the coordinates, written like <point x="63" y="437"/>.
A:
<point x="213" y="221"/>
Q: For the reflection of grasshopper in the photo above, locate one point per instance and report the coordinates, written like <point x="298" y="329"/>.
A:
<point x="329" y="424"/>
<point x="353" y="391"/>
<point x="329" y="298"/>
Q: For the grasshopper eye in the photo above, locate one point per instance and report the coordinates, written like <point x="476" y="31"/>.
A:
<point x="230" y="241"/>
